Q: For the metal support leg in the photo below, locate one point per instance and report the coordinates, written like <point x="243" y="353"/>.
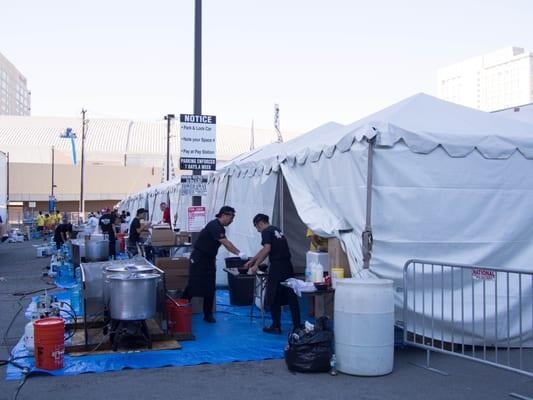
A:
<point x="427" y="366"/>
<point x="519" y="396"/>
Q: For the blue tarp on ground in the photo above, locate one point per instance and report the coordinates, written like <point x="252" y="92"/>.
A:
<point x="235" y="337"/>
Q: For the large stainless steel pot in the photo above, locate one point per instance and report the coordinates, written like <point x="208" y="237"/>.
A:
<point x="132" y="297"/>
<point x="96" y="250"/>
<point x="126" y="269"/>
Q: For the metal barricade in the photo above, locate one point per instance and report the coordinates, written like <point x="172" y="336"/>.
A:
<point x="478" y="313"/>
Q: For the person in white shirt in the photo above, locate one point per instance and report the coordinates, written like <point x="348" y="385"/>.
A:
<point x="93" y="222"/>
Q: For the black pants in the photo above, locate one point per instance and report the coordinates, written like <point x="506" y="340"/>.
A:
<point x="275" y="307"/>
<point x="112" y="247"/>
<point x="209" y="298"/>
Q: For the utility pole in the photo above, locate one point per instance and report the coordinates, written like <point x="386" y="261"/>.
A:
<point x="82" y="200"/>
<point x="169" y="118"/>
<point x="53" y="185"/>
<point x="197" y="200"/>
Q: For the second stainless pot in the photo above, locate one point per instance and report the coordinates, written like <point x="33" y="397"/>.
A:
<point x="97" y="250"/>
<point x="132" y="297"/>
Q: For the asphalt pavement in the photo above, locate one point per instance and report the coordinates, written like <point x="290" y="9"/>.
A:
<point x="21" y="272"/>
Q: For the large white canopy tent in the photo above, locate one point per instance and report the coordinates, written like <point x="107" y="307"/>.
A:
<point x="445" y="182"/>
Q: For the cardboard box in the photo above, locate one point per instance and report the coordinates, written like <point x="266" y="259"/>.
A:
<point x="176" y="271"/>
<point x="163" y="237"/>
<point x="177" y="276"/>
<point x="182" y="238"/>
<point x="337" y="257"/>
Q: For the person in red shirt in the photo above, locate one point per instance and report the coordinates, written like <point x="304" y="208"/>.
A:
<point x="166" y="212"/>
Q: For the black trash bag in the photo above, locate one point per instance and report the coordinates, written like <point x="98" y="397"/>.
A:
<point x="310" y="351"/>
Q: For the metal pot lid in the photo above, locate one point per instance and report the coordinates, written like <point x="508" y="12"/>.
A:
<point x="129" y="268"/>
<point x="133" y="277"/>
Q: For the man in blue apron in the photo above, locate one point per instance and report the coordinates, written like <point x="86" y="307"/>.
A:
<point x="275" y="246"/>
<point x="202" y="271"/>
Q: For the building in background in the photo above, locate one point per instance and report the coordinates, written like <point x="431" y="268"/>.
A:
<point x="15" y="98"/>
<point x="495" y="81"/>
<point x="122" y="157"/>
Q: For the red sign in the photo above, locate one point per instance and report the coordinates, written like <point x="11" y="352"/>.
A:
<point x="197" y="219"/>
<point x="483" y="274"/>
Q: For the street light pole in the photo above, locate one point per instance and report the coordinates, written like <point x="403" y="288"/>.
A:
<point x="197" y="200"/>
<point x="82" y="200"/>
<point x="53" y="185"/>
<point x="168" y="118"/>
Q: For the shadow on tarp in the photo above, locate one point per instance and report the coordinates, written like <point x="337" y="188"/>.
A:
<point x="235" y="337"/>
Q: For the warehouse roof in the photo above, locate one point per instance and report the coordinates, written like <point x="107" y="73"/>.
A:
<point x="29" y="139"/>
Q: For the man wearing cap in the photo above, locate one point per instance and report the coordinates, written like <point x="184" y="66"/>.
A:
<point x="275" y="246"/>
<point x="136" y="227"/>
<point x="202" y="271"/>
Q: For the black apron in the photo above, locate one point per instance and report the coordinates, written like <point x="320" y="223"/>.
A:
<point x="278" y="271"/>
<point x="202" y="274"/>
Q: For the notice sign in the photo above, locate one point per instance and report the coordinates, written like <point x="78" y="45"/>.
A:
<point x="483" y="274"/>
<point x="197" y="219"/>
<point x="198" y="135"/>
<point x="193" y="185"/>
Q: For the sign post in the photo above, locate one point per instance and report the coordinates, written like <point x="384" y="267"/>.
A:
<point x="198" y="142"/>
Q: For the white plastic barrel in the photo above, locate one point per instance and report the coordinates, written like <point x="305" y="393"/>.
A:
<point x="364" y="326"/>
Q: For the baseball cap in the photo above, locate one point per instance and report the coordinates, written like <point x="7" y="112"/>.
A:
<point x="225" y="210"/>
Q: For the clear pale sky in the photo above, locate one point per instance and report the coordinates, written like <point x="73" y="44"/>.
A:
<point x="335" y="60"/>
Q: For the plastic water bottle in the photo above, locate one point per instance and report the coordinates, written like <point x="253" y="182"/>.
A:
<point x="308" y="273"/>
<point x="333" y="365"/>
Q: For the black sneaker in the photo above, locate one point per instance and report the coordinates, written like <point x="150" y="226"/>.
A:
<point x="210" y="319"/>
<point x="272" y="329"/>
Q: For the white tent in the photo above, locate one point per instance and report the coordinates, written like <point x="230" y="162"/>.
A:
<point x="447" y="183"/>
<point x="430" y="179"/>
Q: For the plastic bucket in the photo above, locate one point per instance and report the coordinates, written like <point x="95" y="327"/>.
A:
<point x="336" y="274"/>
<point x="179" y="316"/>
<point x="49" y="343"/>
<point x="122" y="241"/>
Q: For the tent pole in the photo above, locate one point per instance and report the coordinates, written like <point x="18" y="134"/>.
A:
<point x="367" y="233"/>
<point x="281" y="216"/>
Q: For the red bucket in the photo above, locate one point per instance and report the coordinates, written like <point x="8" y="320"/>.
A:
<point x="49" y="342"/>
<point x="121" y="237"/>
<point x="179" y="316"/>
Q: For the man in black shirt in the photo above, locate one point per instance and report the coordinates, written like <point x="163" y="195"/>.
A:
<point x="107" y="226"/>
<point x="62" y="232"/>
<point x="275" y="246"/>
<point x="135" y="232"/>
<point x="202" y="271"/>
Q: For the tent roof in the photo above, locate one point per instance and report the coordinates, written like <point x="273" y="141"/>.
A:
<point x="423" y="122"/>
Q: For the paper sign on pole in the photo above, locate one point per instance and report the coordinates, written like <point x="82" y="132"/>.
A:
<point x="198" y="142"/>
<point x="197" y="218"/>
<point x="32" y="204"/>
<point x="193" y="185"/>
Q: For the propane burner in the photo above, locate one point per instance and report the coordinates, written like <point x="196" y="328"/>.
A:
<point x="129" y="334"/>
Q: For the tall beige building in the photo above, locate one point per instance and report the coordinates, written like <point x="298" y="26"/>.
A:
<point x="494" y="81"/>
<point x="15" y="98"/>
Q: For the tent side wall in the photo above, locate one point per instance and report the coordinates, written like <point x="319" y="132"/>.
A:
<point x="330" y="196"/>
<point x="470" y="210"/>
